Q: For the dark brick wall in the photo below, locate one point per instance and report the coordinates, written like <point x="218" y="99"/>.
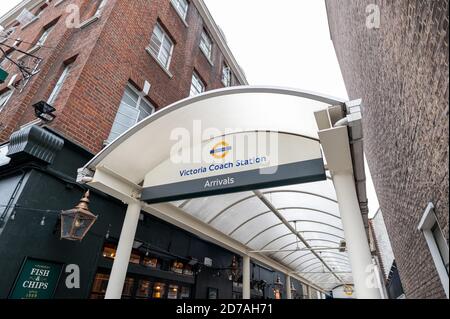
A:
<point x="401" y="72"/>
<point x="110" y="52"/>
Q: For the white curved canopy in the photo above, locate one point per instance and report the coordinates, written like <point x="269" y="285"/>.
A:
<point x="262" y="221"/>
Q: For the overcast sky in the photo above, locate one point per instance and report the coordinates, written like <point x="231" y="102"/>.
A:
<point x="280" y="43"/>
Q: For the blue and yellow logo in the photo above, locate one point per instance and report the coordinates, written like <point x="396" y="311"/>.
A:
<point x="220" y="150"/>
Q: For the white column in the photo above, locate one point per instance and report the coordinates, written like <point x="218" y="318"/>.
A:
<point x="355" y="236"/>
<point x="288" y="287"/>
<point x="120" y="265"/>
<point x="245" y="277"/>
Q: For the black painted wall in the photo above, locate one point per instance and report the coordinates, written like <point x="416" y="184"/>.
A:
<point x="50" y="189"/>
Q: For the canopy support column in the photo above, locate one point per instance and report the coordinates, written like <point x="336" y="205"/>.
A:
<point x="124" y="248"/>
<point x="288" y="287"/>
<point x="355" y="236"/>
<point x="245" y="277"/>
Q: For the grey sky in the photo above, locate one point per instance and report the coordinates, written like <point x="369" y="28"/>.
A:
<point x="280" y="43"/>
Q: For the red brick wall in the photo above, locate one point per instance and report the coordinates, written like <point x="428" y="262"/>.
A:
<point x="401" y="72"/>
<point x="110" y="53"/>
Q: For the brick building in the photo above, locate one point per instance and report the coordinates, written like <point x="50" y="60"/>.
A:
<point x="400" y="70"/>
<point x="120" y="62"/>
<point x="92" y="52"/>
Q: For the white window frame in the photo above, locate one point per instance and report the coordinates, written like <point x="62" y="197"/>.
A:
<point x="44" y="36"/>
<point x="226" y="75"/>
<point x="197" y="79"/>
<point x="206" y="44"/>
<point x="100" y="8"/>
<point x="59" y="85"/>
<point x="141" y="96"/>
<point x="165" y="39"/>
<point x="179" y="8"/>
<point x="427" y="223"/>
<point x="5" y="34"/>
<point x="5" y="97"/>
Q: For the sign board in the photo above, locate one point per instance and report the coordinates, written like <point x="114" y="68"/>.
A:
<point x="235" y="163"/>
<point x="37" y="279"/>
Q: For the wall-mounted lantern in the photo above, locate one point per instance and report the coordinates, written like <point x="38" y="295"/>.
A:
<point x="278" y="283"/>
<point x="44" y="111"/>
<point x="234" y="271"/>
<point x="293" y="289"/>
<point x="76" y="222"/>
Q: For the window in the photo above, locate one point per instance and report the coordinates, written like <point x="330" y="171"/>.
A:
<point x="226" y="75"/>
<point x="206" y="44"/>
<point x="441" y="244"/>
<point x="161" y="46"/>
<point x="101" y="7"/>
<point x="173" y="292"/>
<point x="144" y="289"/>
<point x="40" y="10"/>
<point x="177" y="267"/>
<point x="133" y="108"/>
<point x="182" y="7"/>
<point x="5" y="34"/>
<point x="44" y="36"/>
<point x="4" y="59"/>
<point x="159" y="290"/>
<point x="437" y="244"/>
<point x="4" y="98"/>
<point x="197" y="86"/>
<point x="57" y="89"/>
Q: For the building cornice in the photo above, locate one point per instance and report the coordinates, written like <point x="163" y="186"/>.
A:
<point x="12" y="14"/>
<point x="213" y="28"/>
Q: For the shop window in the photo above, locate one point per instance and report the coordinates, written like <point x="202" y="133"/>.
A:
<point x="135" y="257"/>
<point x="177" y="267"/>
<point x="188" y="271"/>
<point x="99" y="286"/>
<point x="144" y="289"/>
<point x="127" y="292"/>
<point x="173" y="292"/>
<point x="159" y="290"/>
<point x="185" y="293"/>
<point x="150" y="262"/>
<point x="109" y="251"/>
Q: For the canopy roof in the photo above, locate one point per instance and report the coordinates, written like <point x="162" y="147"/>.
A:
<point x="297" y="226"/>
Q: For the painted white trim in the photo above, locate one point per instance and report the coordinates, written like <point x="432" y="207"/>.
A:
<point x="183" y="19"/>
<point x="426" y="224"/>
<point x="89" y="21"/>
<point x="30" y="23"/>
<point x="5" y="103"/>
<point x="59" y="2"/>
<point x="159" y="62"/>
